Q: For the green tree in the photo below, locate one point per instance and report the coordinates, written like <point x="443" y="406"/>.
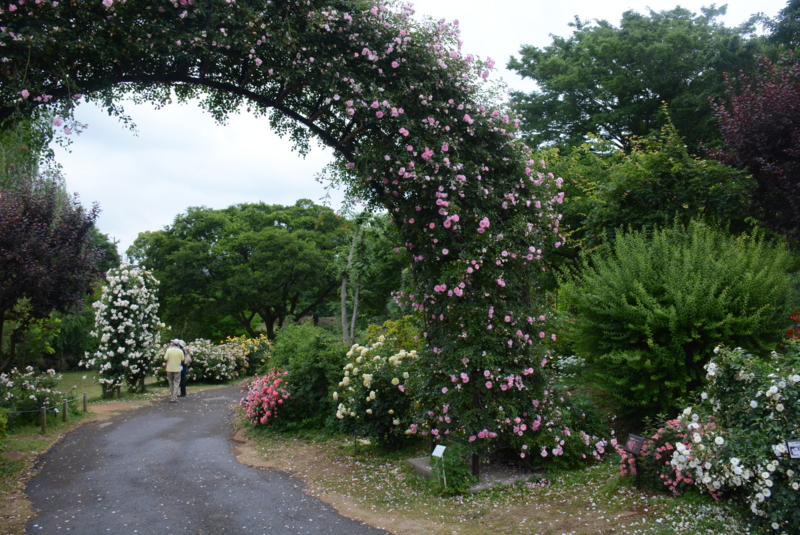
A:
<point x="611" y="81"/>
<point x="648" y="315"/>
<point x="650" y="186"/>
<point x="785" y="27"/>
<point x="371" y="267"/>
<point x="250" y="262"/>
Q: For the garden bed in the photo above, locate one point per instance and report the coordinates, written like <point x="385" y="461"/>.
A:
<point x="383" y="491"/>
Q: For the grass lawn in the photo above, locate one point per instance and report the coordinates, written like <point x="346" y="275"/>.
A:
<point x="86" y="381"/>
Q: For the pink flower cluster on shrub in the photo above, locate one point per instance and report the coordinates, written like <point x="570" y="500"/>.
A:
<point x="264" y="395"/>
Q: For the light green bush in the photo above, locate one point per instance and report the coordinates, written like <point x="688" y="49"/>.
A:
<point x="314" y="360"/>
<point x="647" y="315"/>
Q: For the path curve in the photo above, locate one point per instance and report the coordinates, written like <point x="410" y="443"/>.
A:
<point x="168" y="468"/>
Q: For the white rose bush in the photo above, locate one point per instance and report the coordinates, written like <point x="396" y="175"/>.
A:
<point x="372" y="394"/>
<point x="26" y="391"/>
<point x="732" y="442"/>
<point x="128" y="327"/>
<point x="213" y="363"/>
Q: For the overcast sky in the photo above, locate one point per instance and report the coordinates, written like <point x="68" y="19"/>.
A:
<point x="181" y="158"/>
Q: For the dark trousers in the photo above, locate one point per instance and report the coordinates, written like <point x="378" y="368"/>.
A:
<point x="184" y="371"/>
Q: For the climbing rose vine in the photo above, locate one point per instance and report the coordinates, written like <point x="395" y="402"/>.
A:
<point x="127" y="324"/>
<point x="416" y="130"/>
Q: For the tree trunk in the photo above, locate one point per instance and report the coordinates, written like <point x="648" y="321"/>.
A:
<point x="347" y="338"/>
<point x="355" y="311"/>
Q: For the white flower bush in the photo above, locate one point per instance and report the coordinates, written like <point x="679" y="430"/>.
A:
<point x="27" y="391"/>
<point x="128" y="326"/>
<point x="749" y="410"/>
<point x="372" y="393"/>
<point x="213" y="363"/>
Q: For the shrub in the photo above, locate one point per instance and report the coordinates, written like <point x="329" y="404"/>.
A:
<point x="453" y="472"/>
<point x="647" y="316"/>
<point x="27" y="392"/>
<point x="372" y="393"/>
<point x="732" y="441"/>
<point x="264" y="396"/>
<point x="212" y="363"/>
<point x="559" y="430"/>
<point x="313" y="359"/>
<point x="127" y="325"/>
<point x="256" y="350"/>
<point x="403" y="333"/>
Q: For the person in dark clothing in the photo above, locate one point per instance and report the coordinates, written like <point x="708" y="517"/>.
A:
<point x="184" y="367"/>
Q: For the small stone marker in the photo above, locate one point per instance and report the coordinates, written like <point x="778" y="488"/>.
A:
<point x="794" y="448"/>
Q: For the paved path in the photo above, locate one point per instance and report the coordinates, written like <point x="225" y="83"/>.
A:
<point x="168" y="468"/>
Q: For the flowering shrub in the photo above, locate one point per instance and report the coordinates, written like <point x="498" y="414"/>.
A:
<point x="255" y="350"/>
<point x="127" y="324"/>
<point x="794" y="331"/>
<point x="732" y="441"/>
<point x="212" y="363"/>
<point x="264" y="396"/>
<point x="28" y="391"/>
<point x="538" y="418"/>
<point x="372" y="393"/>
<point x="655" y="466"/>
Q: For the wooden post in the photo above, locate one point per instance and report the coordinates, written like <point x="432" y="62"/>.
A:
<point x="66" y="411"/>
<point x="85" y="402"/>
<point x="119" y="392"/>
<point x="44" y="420"/>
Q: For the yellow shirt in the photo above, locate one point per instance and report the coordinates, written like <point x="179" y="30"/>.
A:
<point x="173" y="357"/>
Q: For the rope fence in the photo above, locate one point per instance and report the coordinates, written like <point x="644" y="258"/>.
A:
<point x="64" y="411"/>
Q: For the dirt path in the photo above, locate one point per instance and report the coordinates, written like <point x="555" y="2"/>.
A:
<point x="169" y="468"/>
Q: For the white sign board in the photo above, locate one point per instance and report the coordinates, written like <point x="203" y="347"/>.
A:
<point x="438" y="451"/>
<point x="794" y="448"/>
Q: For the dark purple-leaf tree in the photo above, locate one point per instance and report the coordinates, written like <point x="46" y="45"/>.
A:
<point x="760" y="126"/>
<point x="46" y="260"/>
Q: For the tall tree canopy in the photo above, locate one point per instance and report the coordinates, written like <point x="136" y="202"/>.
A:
<point x="785" y="27"/>
<point x="47" y="262"/>
<point x="611" y="81"/>
<point x="252" y="262"/>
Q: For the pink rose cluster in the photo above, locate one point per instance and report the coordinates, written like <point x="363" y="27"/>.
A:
<point x="264" y="395"/>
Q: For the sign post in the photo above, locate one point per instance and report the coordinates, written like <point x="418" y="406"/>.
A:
<point x="438" y="451"/>
<point x="634" y="446"/>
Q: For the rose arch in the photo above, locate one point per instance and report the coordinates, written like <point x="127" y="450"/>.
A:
<point x="415" y="129"/>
